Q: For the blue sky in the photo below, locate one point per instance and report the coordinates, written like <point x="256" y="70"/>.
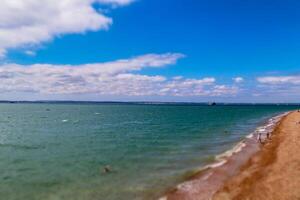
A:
<point x="186" y="50"/>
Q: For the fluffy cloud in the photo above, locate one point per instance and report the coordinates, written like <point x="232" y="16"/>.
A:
<point x="279" y="80"/>
<point x="30" y="22"/>
<point x="284" y="88"/>
<point x="110" y="78"/>
<point x="238" y="79"/>
<point x="30" y="53"/>
<point x="116" y="2"/>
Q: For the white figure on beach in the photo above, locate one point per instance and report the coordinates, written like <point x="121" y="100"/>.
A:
<point x="259" y="137"/>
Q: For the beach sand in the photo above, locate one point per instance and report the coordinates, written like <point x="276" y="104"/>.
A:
<point x="267" y="171"/>
<point x="274" y="172"/>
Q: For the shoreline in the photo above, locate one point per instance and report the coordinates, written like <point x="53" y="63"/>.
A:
<point x="207" y="181"/>
<point x="274" y="172"/>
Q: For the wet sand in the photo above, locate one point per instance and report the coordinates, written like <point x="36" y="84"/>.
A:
<point x="274" y="172"/>
<point x="253" y="171"/>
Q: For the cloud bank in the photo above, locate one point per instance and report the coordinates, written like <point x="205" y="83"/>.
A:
<point x="31" y="22"/>
<point x="119" y="77"/>
<point x="279" y="80"/>
<point x="281" y="88"/>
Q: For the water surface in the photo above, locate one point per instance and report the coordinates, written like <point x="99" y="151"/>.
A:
<point x="58" y="151"/>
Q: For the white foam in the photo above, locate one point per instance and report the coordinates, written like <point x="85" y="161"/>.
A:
<point x="237" y="148"/>
<point x="163" y="198"/>
<point x="218" y="164"/>
<point x="207" y="176"/>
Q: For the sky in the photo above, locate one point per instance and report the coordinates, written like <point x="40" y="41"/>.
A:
<point x="150" y="50"/>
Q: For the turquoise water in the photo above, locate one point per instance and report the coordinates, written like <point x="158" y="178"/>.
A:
<point x="58" y="151"/>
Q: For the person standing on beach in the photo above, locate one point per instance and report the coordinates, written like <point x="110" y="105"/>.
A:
<point x="259" y="137"/>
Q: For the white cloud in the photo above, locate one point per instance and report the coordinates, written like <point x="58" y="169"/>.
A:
<point x="30" y="53"/>
<point x="31" y="22"/>
<point x="238" y="79"/>
<point x="116" y="2"/>
<point x="279" y="80"/>
<point x="110" y="78"/>
<point x="177" y="77"/>
<point x="279" y="88"/>
<point x="196" y="87"/>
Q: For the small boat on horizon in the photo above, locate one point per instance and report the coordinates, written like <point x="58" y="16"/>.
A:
<point x="212" y="103"/>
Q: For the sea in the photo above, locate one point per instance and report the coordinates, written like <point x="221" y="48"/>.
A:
<point x="115" y="151"/>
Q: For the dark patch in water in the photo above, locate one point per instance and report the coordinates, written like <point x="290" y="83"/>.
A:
<point x="6" y="177"/>
<point x="47" y="184"/>
<point x="16" y="161"/>
<point x="25" y="147"/>
<point x="25" y="169"/>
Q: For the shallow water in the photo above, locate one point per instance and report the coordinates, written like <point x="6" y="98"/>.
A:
<point x="58" y="151"/>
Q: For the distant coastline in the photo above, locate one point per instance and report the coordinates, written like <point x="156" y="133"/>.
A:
<point x="148" y="103"/>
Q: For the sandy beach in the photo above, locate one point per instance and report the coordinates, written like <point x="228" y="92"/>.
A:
<point x="273" y="173"/>
<point x="260" y="171"/>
